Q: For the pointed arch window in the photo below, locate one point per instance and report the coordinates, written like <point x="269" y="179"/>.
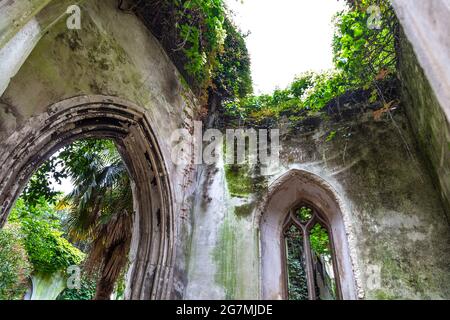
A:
<point x="310" y="271"/>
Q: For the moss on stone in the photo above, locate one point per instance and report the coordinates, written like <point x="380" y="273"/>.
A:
<point x="239" y="180"/>
<point x="87" y="61"/>
<point x="244" y="210"/>
<point x="428" y="120"/>
<point x="225" y="256"/>
<point x="260" y="184"/>
<point x="383" y="295"/>
<point x="243" y="180"/>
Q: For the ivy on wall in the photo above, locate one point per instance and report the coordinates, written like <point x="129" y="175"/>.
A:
<point x="364" y="55"/>
<point x="203" y="43"/>
<point x="364" y="43"/>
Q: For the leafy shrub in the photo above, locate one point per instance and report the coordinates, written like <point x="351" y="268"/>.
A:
<point x="203" y="43"/>
<point x="320" y="240"/>
<point x="363" y="56"/>
<point x="47" y="249"/>
<point x="308" y="92"/>
<point x="86" y="291"/>
<point x="362" y="49"/>
<point x="40" y="183"/>
<point x="231" y="76"/>
<point x="14" y="266"/>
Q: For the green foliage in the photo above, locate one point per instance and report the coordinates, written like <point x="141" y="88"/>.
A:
<point x="296" y="266"/>
<point x="86" y="291"/>
<point x="215" y="51"/>
<point x="364" y="44"/>
<point x="297" y="284"/>
<point x="100" y="209"/>
<point x="304" y="214"/>
<point x="15" y="268"/>
<point x="77" y="157"/>
<point x="98" y="212"/>
<point x="331" y="136"/>
<point x="320" y="241"/>
<point x="39" y="184"/>
<point x="217" y="56"/>
<point x="231" y="77"/>
<point x="47" y="249"/>
<point x="201" y="24"/>
<point x="101" y="185"/>
<point x="42" y="210"/>
<point x="363" y="56"/>
<point x="120" y="287"/>
<point x="71" y="160"/>
<point x="203" y="43"/>
<point x="308" y="93"/>
<point x="326" y="86"/>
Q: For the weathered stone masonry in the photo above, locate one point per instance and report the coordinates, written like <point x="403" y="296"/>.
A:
<point x="388" y="180"/>
<point x="113" y="55"/>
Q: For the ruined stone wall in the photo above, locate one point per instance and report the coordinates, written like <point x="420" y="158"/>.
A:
<point x="393" y="177"/>
<point x="427" y="117"/>
<point x="114" y="55"/>
<point x="395" y="218"/>
<point x="426" y="25"/>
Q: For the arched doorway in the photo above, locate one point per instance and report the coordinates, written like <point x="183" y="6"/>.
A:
<point x="285" y="195"/>
<point x="150" y="274"/>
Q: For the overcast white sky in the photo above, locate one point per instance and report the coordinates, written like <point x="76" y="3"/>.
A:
<point x="287" y="37"/>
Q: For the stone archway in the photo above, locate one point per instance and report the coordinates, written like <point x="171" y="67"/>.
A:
<point x="294" y="187"/>
<point x="152" y="251"/>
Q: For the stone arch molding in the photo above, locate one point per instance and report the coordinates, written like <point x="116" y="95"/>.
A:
<point x="294" y="187"/>
<point x="152" y="251"/>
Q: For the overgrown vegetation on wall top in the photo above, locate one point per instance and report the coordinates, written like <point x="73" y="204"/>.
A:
<point x="364" y="56"/>
<point x="204" y="44"/>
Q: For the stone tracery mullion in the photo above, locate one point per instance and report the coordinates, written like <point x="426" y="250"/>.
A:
<point x="304" y="229"/>
<point x="309" y="269"/>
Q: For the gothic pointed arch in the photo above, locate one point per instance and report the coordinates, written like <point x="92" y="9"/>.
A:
<point x="152" y="253"/>
<point x="291" y="191"/>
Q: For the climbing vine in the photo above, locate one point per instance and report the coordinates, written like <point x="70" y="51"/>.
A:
<point x="364" y="56"/>
<point x="297" y="283"/>
<point x="232" y="78"/>
<point x="206" y="47"/>
<point x="14" y="265"/>
<point x="364" y="42"/>
<point x="200" y="25"/>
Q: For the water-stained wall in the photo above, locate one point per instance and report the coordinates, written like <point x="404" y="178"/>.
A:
<point x="430" y="125"/>
<point x="394" y="200"/>
<point x="395" y="220"/>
